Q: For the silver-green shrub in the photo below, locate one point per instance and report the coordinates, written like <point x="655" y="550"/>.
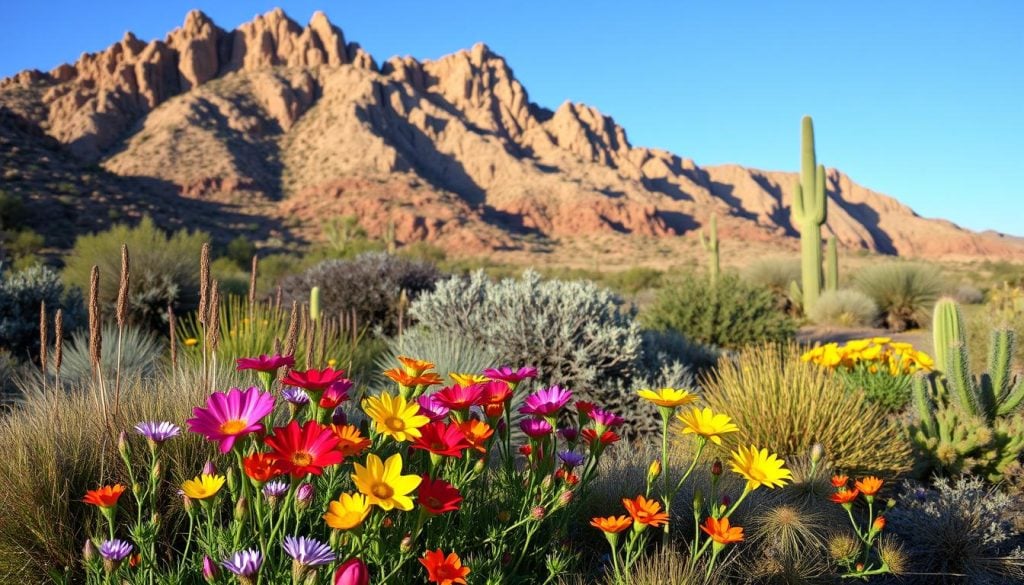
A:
<point x="20" y="296"/>
<point x="847" y="308"/>
<point x="904" y="292"/>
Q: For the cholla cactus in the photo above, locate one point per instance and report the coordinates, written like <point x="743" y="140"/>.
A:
<point x="971" y="424"/>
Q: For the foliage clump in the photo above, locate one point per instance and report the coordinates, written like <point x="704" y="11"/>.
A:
<point x="904" y="293"/>
<point x="845" y="308"/>
<point x="20" y="296"/>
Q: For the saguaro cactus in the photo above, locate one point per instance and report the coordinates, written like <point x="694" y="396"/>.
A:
<point x="947" y="332"/>
<point x="832" y="264"/>
<point x="810" y="212"/>
<point x="710" y="244"/>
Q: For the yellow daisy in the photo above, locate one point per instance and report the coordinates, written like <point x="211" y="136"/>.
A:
<point x="347" y="512"/>
<point x="203" y="486"/>
<point x="668" y="397"/>
<point x="759" y="468"/>
<point x="383" y="483"/>
<point x="465" y="380"/>
<point x="395" y="417"/>
<point x="706" y="424"/>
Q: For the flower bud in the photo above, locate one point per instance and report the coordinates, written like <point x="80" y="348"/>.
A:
<point x="230" y="475"/>
<point x="89" y="551"/>
<point x="698" y="502"/>
<point x="187" y="504"/>
<point x="504" y="516"/>
<point x="817" y="453"/>
<point x="480" y="466"/>
<point x="716" y="468"/>
<point x="406" y="545"/>
<point x="137" y="490"/>
<point x="158" y="472"/>
<point x="546" y="483"/>
<point x="123" y="447"/>
<point x="304" y="496"/>
<point x="209" y="468"/>
<point x="654" y="470"/>
<point x="525" y="450"/>
<point x="210" y="570"/>
<point x="890" y="503"/>
<point x="878" y="525"/>
<point x="352" y="572"/>
<point x="156" y="519"/>
<point x="387" y="522"/>
<point x="241" y="509"/>
<point x="726" y="501"/>
<point x="565" y="498"/>
<point x="538" y="513"/>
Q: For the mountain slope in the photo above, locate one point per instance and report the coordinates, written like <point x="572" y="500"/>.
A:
<point x="295" y="124"/>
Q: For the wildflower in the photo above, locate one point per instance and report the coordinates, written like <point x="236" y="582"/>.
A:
<point x="606" y="438"/>
<point x="869" y="486"/>
<point x="230" y="415"/>
<point x="605" y="419"/>
<point x="157" y="432"/>
<point x="307" y="552"/>
<point x="569" y="433"/>
<point x="654" y="470"/>
<point x="352" y="572"/>
<point x="413" y="366"/>
<point x="571" y="459"/>
<point x="845" y="497"/>
<point x="720" y="531"/>
<point x="667" y="397"/>
<point x="305" y="450"/>
<point x="404" y="379"/>
<point x="707" y="424"/>
<point x="383" y="482"/>
<point x="261" y="467"/>
<point x="265" y="363"/>
<point x="716" y="467"/>
<point x="437" y="496"/>
<point x="477" y="433"/>
<point x="431" y="408"/>
<point x="351" y="442"/>
<point x="496" y="392"/>
<point x="535" y="427"/>
<point x="840" y="481"/>
<point x="313" y="381"/>
<point x="612" y="524"/>
<point x="759" y="468"/>
<point x="878" y="525"/>
<point x="459" y="397"/>
<point x="444" y="570"/>
<point x="546" y="402"/>
<point x="584" y="407"/>
<point x="338" y="417"/>
<point x="245" y="565"/>
<point x="295" y="396"/>
<point x="645" y="512"/>
<point x="104" y="496"/>
<point x="190" y="341"/>
<point x="441" y="439"/>
<point x="210" y="570"/>
<point x="335" y="394"/>
<point x="304" y="495"/>
<point x="507" y="374"/>
<point x="114" y="552"/>
<point x="274" y="490"/>
<point x="395" y="417"/>
<point x="538" y="513"/>
<point x="467" y="379"/>
<point x="347" y="512"/>
<point x="203" y="486"/>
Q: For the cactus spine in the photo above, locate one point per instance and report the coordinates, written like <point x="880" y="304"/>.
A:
<point x="810" y="212"/>
<point x="947" y="331"/>
<point x="832" y="264"/>
<point x="710" y="244"/>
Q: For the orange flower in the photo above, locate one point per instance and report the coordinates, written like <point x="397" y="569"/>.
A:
<point x="869" y="486"/>
<point x="105" y="496"/>
<point x="444" y="570"/>
<point x="261" y="467"/>
<point x="720" y="531"/>
<point x="645" y="512"/>
<point x="840" y="481"/>
<point x="403" y="378"/>
<point x="350" y="441"/>
<point x="878" y="524"/>
<point x="612" y="524"/>
<point x="845" y="497"/>
<point x="477" y="432"/>
<point x="415" y="367"/>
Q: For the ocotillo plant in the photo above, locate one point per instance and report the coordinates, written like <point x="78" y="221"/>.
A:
<point x="810" y="212"/>
<point x="947" y="332"/>
<point x="832" y="264"/>
<point x="710" y="244"/>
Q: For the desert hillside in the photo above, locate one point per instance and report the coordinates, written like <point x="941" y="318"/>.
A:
<point x="271" y="127"/>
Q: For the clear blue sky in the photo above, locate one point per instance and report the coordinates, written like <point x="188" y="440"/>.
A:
<point x="920" y="100"/>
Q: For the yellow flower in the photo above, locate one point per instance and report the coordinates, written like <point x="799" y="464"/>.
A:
<point x="707" y="424"/>
<point x="881" y="340"/>
<point x="830" y="356"/>
<point x="466" y="379"/>
<point x="857" y="345"/>
<point x="383" y="482"/>
<point x="189" y="342"/>
<point x="760" y="468"/>
<point x="667" y="397"/>
<point x="332" y="362"/>
<point x="871" y="353"/>
<point x="203" y="486"/>
<point x="395" y="417"/>
<point x="347" y="512"/>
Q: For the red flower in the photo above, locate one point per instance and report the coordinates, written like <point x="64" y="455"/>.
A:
<point x="335" y="394"/>
<point x="313" y="380"/>
<point x="262" y="467"/>
<point x="265" y="363"/>
<point x="477" y="432"/>
<point x="442" y="439"/>
<point x="845" y="497"/>
<point x="305" y="450"/>
<point x="438" y="496"/>
<point x="525" y="450"/>
<point x="840" y="481"/>
<point x="496" y="392"/>
<point x="444" y="570"/>
<point x="606" y="438"/>
<point x="583" y="407"/>
<point x="459" y="397"/>
<point x="105" y="496"/>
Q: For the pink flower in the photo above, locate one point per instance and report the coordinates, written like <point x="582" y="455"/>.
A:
<point x="230" y="415"/>
<point x="431" y="408"/>
<point x="507" y="374"/>
<point x="335" y="394"/>
<point x="605" y="419"/>
<point x="546" y="402"/>
<point x="352" y="572"/>
<point x="459" y="397"/>
<point x="265" y="363"/>
<point x="535" y="427"/>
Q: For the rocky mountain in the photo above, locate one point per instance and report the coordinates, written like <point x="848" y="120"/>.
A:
<point x="272" y="127"/>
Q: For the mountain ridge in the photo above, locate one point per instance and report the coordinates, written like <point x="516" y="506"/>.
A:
<point x="296" y="124"/>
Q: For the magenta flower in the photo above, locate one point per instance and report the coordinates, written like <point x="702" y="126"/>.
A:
<point x="459" y="397"/>
<point x="431" y="408"/>
<point x="569" y="433"/>
<point x="605" y="419"/>
<point x="507" y="374"/>
<point x="535" y="427"/>
<point x="230" y="415"/>
<point x="546" y="402"/>
<point x="265" y="363"/>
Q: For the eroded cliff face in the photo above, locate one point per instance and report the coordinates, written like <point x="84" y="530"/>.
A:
<point x="301" y="124"/>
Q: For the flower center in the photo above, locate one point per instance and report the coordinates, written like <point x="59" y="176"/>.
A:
<point x="396" y="424"/>
<point x="438" y="446"/>
<point x="382" y="491"/>
<point x="302" y="459"/>
<point x="433" y="502"/>
<point x="233" y="426"/>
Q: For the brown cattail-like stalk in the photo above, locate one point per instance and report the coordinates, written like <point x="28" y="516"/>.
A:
<point x="95" y="319"/>
<point x="277" y="300"/>
<point x="58" y="341"/>
<point x="310" y="331"/>
<point x="204" y="282"/>
<point x="44" y="338"/>
<point x="252" y="279"/>
<point x="172" y="325"/>
<point x="292" y="339"/>
<point x="213" y="317"/>
<point x="122" y="289"/>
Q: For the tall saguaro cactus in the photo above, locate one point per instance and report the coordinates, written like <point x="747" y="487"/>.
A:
<point x="832" y="264"/>
<point x="710" y="244"/>
<point x="810" y="212"/>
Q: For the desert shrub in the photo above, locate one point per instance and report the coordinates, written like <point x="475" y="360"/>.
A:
<point x="730" y="313"/>
<point x="846" y="308"/>
<point x="423" y="251"/>
<point x="959" y="532"/>
<point x="904" y="293"/>
<point x="164" y="270"/>
<point x="774" y="274"/>
<point x="787" y="405"/>
<point x="12" y="210"/>
<point x="634" y="280"/>
<point x="240" y="251"/>
<point x="20" y="296"/>
<point x="370" y="286"/>
<point x="576" y="333"/>
<point x="966" y="294"/>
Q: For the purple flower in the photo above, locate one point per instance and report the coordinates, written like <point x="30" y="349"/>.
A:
<point x="245" y="563"/>
<point x="339" y="417"/>
<point x="304" y="493"/>
<point x="307" y="551"/>
<point x="546" y="402"/>
<point x="569" y="433"/>
<point x="115" y="550"/>
<point x="571" y="458"/>
<point x="535" y="427"/>
<point x="507" y="374"/>
<point x="210" y="570"/>
<point x="296" y="396"/>
<point x="265" y="363"/>
<point x="605" y="419"/>
<point x="209" y="468"/>
<point x="431" y="408"/>
<point x="275" y="489"/>
<point x="157" y="432"/>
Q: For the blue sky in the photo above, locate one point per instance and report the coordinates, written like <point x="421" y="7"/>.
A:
<point x="920" y="100"/>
